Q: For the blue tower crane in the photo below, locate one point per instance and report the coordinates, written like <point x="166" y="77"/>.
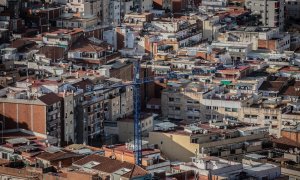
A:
<point x="136" y="84"/>
<point x="137" y="111"/>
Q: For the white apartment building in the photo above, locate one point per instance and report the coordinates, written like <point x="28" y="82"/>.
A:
<point x="261" y="38"/>
<point x="271" y="11"/>
<point x="215" y="3"/>
<point x="85" y="7"/>
<point x="115" y="12"/>
<point x="182" y="31"/>
<point x="69" y="21"/>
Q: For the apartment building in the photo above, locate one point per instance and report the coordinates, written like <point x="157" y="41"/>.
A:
<point x="152" y="160"/>
<point x="211" y="28"/>
<point x="175" y="6"/>
<point x="85" y="7"/>
<point x="195" y="103"/>
<point x="115" y="12"/>
<point x="126" y="127"/>
<point x="99" y="104"/>
<point x="215" y="3"/>
<point x="271" y="12"/>
<point x="120" y="69"/>
<point x="213" y="139"/>
<point x="210" y="167"/>
<point x="71" y="117"/>
<point x="91" y="51"/>
<point x="106" y="167"/>
<point x="41" y="115"/>
<point x="292" y="9"/>
<point x="62" y="38"/>
<point x="183" y="101"/>
<point x="261" y="38"/>
<point x="71" y="21"/>
<point x="182" y="32"/>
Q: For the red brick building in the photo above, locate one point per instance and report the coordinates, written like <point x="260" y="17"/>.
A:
<point x="38" y="115"/>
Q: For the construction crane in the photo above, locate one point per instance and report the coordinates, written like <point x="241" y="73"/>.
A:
<point x="136" y="84"/>
<point x="137" y="112"/>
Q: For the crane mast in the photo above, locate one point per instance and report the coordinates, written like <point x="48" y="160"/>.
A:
<point x="137" y="111"/>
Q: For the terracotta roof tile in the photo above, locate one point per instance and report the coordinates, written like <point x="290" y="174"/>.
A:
<point x="83" y="84"/>
<point x="110" y="165"/>
<point x="271" y="86"/>
<point x="50" y="98"/>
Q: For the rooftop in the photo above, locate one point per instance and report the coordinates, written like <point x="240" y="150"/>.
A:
<point x="108" y="165"/>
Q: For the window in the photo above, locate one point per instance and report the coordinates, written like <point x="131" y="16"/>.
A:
<point x="4" y="156"/>
<point x="215" y="108"/>
<point x="194" y="140"/>
<point x="207" y="116"/>
<point x="190" y="117"/>
<point x="171" y="99"/>
<point x="267" y="117"/>
<point x="208" y="107"/>
<point x="247" y="116"/>
<point x="177" y="108"/>
<point x="274" y="117"/>
<point x="228" y="109"/>
<point x="189" y="101"/>
<point x="189" y="108"/>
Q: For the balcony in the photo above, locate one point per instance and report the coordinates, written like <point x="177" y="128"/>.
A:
<point x="52" y="111"/>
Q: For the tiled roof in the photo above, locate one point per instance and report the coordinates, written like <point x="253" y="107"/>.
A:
<point x="56" y="156"/>
<point x="83" y="84"/>
<point x="50" y="98"/>
<point x="85" y="45"/>
<point x="52" y="52"/>
<point x="286" y="141"/>
<point x="108" y="165"/>
<point x="291" y="91"/>
<point x="271" y="86"/>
